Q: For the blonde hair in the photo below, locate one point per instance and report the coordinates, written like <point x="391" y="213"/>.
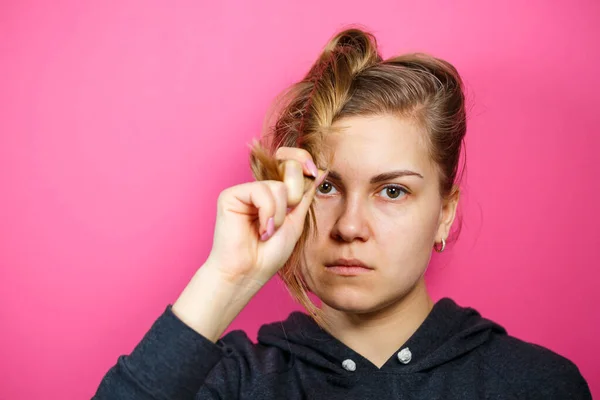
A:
<point x="351" y="79"/>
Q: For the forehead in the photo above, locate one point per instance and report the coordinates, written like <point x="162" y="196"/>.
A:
<point x="379" y="143"/>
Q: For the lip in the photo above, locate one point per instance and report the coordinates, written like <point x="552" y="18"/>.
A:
<point x="348" y="267"/>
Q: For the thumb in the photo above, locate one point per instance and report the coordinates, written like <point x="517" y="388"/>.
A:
<point x="298" y="214"/>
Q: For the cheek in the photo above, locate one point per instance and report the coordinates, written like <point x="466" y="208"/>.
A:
<point x="315" y="244"/>
<point x="403" y="249"/>
<point x="405" y="231"/>
<point x="325" y="211"/>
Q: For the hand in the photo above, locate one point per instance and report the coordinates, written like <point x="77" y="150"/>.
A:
<point x="259" y="223"/>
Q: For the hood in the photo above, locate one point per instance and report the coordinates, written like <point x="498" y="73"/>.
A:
<point x="448" y="332"/>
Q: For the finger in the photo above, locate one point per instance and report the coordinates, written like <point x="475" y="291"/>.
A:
<point x="293" y="179"/>
<point x="259" y="195"/>
<point x="298" y="214"/>
<point x="280" y="194"/>
<point x="302" y="156"/>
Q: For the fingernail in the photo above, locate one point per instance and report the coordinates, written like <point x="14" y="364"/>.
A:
<point x="312" y="168"/>
<point x="321" y="179"/>
<point x="270" y="229"/>
<point x="271" y="226"/>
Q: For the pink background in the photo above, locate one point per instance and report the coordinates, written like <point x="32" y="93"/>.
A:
<point x="121" y="121"/>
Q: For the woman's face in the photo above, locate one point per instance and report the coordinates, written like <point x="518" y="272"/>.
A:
<point x="380" y="205"/>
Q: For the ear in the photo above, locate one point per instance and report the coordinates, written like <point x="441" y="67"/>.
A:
<point x="447" y="214"/>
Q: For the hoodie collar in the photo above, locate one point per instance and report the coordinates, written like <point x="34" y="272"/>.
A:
<point x="448" y="332"/>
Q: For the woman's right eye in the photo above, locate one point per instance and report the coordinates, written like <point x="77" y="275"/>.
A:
<point x="326" y="188"/>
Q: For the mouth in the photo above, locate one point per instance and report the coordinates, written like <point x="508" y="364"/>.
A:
<point x="348" y="267"/>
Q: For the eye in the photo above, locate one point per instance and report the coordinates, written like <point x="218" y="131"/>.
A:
<point x="326" y="188"/>
<point x="393" y="191"/>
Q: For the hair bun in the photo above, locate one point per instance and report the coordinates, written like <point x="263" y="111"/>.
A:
<point x="357" y="49"/>
<point x="360" y="41"/>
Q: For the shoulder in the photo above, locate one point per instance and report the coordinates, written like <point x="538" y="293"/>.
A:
<point x="530" y="369"/>
<point x="238" y="348"/>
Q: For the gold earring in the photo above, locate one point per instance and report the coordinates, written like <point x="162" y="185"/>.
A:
<point x="443" y="246"/>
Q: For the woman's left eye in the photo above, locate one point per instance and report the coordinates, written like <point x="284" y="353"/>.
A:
<point x="393" y="191"/>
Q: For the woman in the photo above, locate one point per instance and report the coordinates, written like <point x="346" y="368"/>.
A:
<point x="355" y="225"/>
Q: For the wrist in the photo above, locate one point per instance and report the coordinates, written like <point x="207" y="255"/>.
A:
<point x="212" y="300"/>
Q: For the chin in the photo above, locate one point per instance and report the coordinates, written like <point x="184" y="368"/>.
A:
<point x="350" y="300"/>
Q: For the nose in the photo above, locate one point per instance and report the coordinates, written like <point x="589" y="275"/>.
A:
<point x="352" y="221"/>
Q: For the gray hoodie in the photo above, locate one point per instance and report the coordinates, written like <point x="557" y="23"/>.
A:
<point x="454" y="354"/>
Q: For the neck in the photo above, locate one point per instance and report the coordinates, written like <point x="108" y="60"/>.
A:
<point x="392" y="325"/>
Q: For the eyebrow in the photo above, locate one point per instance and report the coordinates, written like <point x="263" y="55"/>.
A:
<point x="386" y="176"/>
